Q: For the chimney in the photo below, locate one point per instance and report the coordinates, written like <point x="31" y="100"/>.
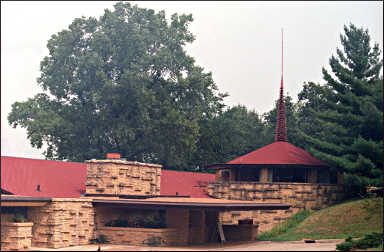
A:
<point x="113" y="156"/>
<point x="117" y="176"/>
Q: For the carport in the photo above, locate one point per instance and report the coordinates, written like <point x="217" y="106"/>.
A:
<point x="189" y="220"/>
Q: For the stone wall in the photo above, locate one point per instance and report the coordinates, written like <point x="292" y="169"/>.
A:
<point x="64" y="222"/>
<point x="179" y="219"/>
<point x="16" y="236"/>
<point x="299" y="195"/>
<point x="139" y="236"/>
<point x="120" y="177"/>
<point x="245" y="232"/>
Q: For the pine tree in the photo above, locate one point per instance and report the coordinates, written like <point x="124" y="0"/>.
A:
<point x="350" y="119"/>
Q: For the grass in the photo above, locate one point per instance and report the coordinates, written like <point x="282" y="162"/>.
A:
<point x="354" y="218"/>
<point x="287" y="225"/>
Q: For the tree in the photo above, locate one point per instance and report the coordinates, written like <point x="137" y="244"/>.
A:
<point x="310" y="100"/>
<point x="349" y="118"/>
<point x="230" y="134"/>
<point x="121" y="83"/>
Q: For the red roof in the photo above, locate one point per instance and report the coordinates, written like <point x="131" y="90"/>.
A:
<point x="21" y="176"/>
<point x="184" y="183"/>
<point x="278" y="153"/>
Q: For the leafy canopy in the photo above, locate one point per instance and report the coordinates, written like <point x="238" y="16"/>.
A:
<point x="120" y="83"/>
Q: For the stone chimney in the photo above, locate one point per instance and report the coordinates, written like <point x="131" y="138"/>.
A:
<point x="116" y="176"/>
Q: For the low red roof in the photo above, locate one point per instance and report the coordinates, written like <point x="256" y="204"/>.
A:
<point x="184" y="183"/>
<point x="61" y="179"/>
<point x="278" y="153"/>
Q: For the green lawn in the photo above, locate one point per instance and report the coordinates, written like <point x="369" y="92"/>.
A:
<point x="354" y="218"/>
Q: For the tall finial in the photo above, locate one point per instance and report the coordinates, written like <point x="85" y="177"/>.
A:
<point x="281" y="129"/>
<point x="282" y="58"/>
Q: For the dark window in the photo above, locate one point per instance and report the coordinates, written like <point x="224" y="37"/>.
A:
<point x="225" y="175"/>
<point x="333" y="177"/>
<point x="323" y="176"/>
<point x="14" y="210"/>
<point x="298" y="175"/>
<point x="249" y="174"/>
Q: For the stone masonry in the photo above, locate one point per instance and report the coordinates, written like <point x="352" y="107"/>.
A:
<point x="139" y="236"/>
<point x="64" y="222"/>
<point x="299" y="195"/>
<point x="16" y="236"/>
<point x="118" y="177"/>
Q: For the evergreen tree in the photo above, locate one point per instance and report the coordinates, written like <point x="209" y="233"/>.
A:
<point x="349" y="119"/>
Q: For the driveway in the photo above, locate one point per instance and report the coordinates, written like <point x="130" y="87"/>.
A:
<point x="319" y="245"/>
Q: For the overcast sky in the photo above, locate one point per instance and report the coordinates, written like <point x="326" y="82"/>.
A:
<point x="239" y="42"/>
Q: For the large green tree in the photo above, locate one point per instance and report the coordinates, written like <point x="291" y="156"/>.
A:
<point x="348" y="112"/>
<point x="120" y="83"/>
<point x="232" y="133"/>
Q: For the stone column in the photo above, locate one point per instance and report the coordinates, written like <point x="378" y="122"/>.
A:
<point x="179" y="219"/>
<point x="16" y="236"/>
<point x="264" y="175"/>
<point x="313" y="178"/>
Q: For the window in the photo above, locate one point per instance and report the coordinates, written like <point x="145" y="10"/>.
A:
<point x="225" y="175"/>
<point x="249" y="174"/>
<point x="298" y="175"/>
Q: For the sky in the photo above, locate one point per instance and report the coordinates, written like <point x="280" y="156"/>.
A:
<point x="239" y="42"/>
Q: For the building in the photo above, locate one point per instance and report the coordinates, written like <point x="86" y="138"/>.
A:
<point x="125" y="202"/>
<point x="279" y="172"/>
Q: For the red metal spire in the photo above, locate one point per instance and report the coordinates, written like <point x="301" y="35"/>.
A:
<point x="281" y="128"/>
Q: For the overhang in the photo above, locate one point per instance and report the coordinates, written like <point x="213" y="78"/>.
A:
<point x="230" y="166"/>
<point x="17" y="200"/>
<point x="188" y="203"/>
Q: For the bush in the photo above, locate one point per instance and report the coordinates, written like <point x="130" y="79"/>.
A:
<point x="150" y="221"/>
<point x="372" y="240"/>
<point x="19" y="218"/>
<point x="345" y="246"/>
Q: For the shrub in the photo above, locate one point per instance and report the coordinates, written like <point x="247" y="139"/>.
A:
<point x="19" y="218"/>
<point x="372" y="240"/>
<point x="150" y="221"/>
<point x="345" y="246"/>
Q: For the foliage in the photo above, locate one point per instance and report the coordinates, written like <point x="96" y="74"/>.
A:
<point x="230" y="134"/>
<point x="285" y="226"/>
<point x="345" y="129"/>
<point x="347" y="245"/>
<point x="120" y="83"/>
<point x="19" y="218"/>
<point x="148" y="221"/>
<point x="371" y="240"/>
<point x="153" y="241"/>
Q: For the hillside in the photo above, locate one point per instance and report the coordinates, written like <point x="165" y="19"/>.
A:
<point x="353" y="218"/>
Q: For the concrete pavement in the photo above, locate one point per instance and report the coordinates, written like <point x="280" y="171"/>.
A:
<point x="319" y="245"/>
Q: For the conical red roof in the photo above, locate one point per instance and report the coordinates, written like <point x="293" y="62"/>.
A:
<point x="278" y="153"/>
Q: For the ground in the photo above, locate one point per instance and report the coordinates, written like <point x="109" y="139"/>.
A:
<point x="319" y="245"/>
